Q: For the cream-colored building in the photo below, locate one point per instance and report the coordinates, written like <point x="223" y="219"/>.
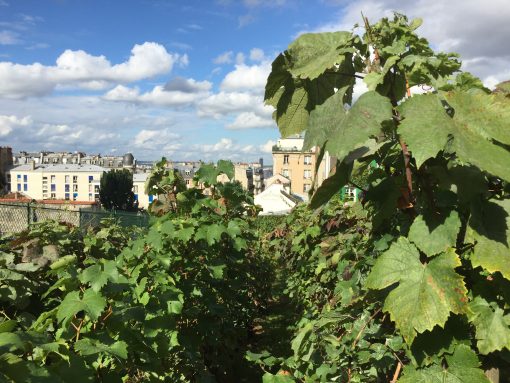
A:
<point x="143" y="199"/>
<point x="298" y="166"/>
<point x="71" y="182"/>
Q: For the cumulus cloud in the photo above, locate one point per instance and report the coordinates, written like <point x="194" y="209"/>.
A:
<point x="268" y="146"/>
<point x="250" y="120"/>
<point x="78" y="68"/>
<point x="156" y="140"/>
<point x="250" y="78"/>
<point x="177" y="92"/>
<point x="257" y="54"/>
<point x="9" y="123"/>
<point x="225" y="103"/>
<point x="477" y="30"/>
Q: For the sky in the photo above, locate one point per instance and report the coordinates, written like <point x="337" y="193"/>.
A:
<point x="185" y="79"/>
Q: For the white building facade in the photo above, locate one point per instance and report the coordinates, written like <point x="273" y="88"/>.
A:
<point x="70" y="182"/>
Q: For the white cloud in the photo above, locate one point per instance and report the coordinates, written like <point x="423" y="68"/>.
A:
<point x="177" y="92"/>
<point x="257" y="54"/>
<point x="268" y="146"/>
<point x="224" y="58"/>
<point x="78" y="68"/>
<point x="250" y="78"/>
<point x="9" y="38"/>
<point x="240" y="58"/>
<point x="156" y="140"/>
<point x="249" y="120"/>
<point x="224" y="103"/>
<point x="477" y="30"/>
<point x="9" y="123"/>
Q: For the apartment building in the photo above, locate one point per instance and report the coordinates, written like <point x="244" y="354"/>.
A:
<point x="71" y="182"/>
<point x="290" y="161"/>
<point x="141" y="197"/>
<point x="126" y="161"/>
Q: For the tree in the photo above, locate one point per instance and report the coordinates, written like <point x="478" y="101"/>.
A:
<point x="116" y="192"/>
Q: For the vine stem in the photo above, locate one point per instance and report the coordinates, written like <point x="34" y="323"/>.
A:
<point x="363" y="328"/>
<point x="397" y="372"/>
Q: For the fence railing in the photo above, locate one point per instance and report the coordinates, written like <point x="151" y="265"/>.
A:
<point x="15" y="218"/>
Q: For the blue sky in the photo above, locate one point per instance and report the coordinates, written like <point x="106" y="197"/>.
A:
<point x="185" y="79"/>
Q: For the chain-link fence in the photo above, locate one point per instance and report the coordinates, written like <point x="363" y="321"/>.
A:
<point x="15" y="218"/>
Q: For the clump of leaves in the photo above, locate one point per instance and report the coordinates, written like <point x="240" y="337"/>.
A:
<point x="439" y="197"/>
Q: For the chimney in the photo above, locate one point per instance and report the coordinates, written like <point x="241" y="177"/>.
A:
<point x="32" y="165"/>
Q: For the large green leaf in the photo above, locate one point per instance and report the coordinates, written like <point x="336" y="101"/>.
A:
<point x="348" y="129"/>
<point x="277" y="78"/>
<point x="489" y="228"/>
<point x="433" y="233"/>
<point x="92" y="303"/>
<point x="291" y="114"/>
<point x="492" y="326"/>
<point x="98" y="275"/>
<point x="313" y="53"/>
<point x="477" y="119"/>
<point x="461" y="367"/>
<point x="426" y="293"/>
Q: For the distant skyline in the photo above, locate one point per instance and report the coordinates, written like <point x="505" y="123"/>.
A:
<point x="185" y="80"/>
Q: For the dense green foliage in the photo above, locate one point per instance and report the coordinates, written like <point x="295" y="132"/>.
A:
<point x="412" y="284"/>
<point x="438" y="200"/>
<point x="116" y="190"/>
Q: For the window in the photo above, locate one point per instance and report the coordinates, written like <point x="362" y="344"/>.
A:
<point x="8" y="178"/>
<point x="306" y="188"/>
<point x="187" y="172"/>
<point x="67" y="179"/>
<point x="91" y="188"/>
<point x="66" y="189"/>
<point x="75" y="188"/>
<point x="285" y="158"/>
<point x="151" y="198"/>
<point x="52" y="179"/>
<point x="91" y="197"/>
<point x="53" y="187"/>
<point x="308" y="174"/>
<point x="19" y="187"/>
<point x="25" y="187"/>
<point x="25" y="178"/>
<point x="91" y="178"/>
<point x="66" y="196"/>
<point x="75" y="179"/>
<point x="19" y="177"/>
<point x="308" y="160"/>
<point x="96" y="189"/>
<point x="136" y="197"/>
<point x="135" y="189"/>
<point x="285" y="172"/>
<point x="187" y="182"/>
<point x="75" y="196"/>
<point x="53" y="196"/>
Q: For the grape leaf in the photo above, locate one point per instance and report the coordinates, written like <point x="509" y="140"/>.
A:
<point x="313" y="53"/>
<point x="291" y="114"/>
<point x="91" y="347"/>
<point x="98" y="275"/>
<point x="489" y="228"/>
<point x="462" y="367"/>
<point x="426" y="293"/>
<point x="471" y="130"/>
<point x="433" y="234"/>
<point x="92" y="303"/>
<point x="352" y="128"/>
<point x="492" y="326"/>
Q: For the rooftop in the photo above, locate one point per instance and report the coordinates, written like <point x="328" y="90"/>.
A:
<point x="60" y="168"/>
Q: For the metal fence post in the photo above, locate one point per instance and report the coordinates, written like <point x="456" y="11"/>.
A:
<point x="28" y="215"/>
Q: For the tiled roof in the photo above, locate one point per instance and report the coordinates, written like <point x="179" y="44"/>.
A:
<point x="60" y="168"/>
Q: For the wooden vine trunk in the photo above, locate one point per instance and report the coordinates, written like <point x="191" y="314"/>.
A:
<point x="493" y="375"/>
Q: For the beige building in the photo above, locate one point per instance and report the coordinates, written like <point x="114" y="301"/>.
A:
<point x="290" y="161"/>
<point x="70" y="182"/>
<point x="143" y="199"/>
